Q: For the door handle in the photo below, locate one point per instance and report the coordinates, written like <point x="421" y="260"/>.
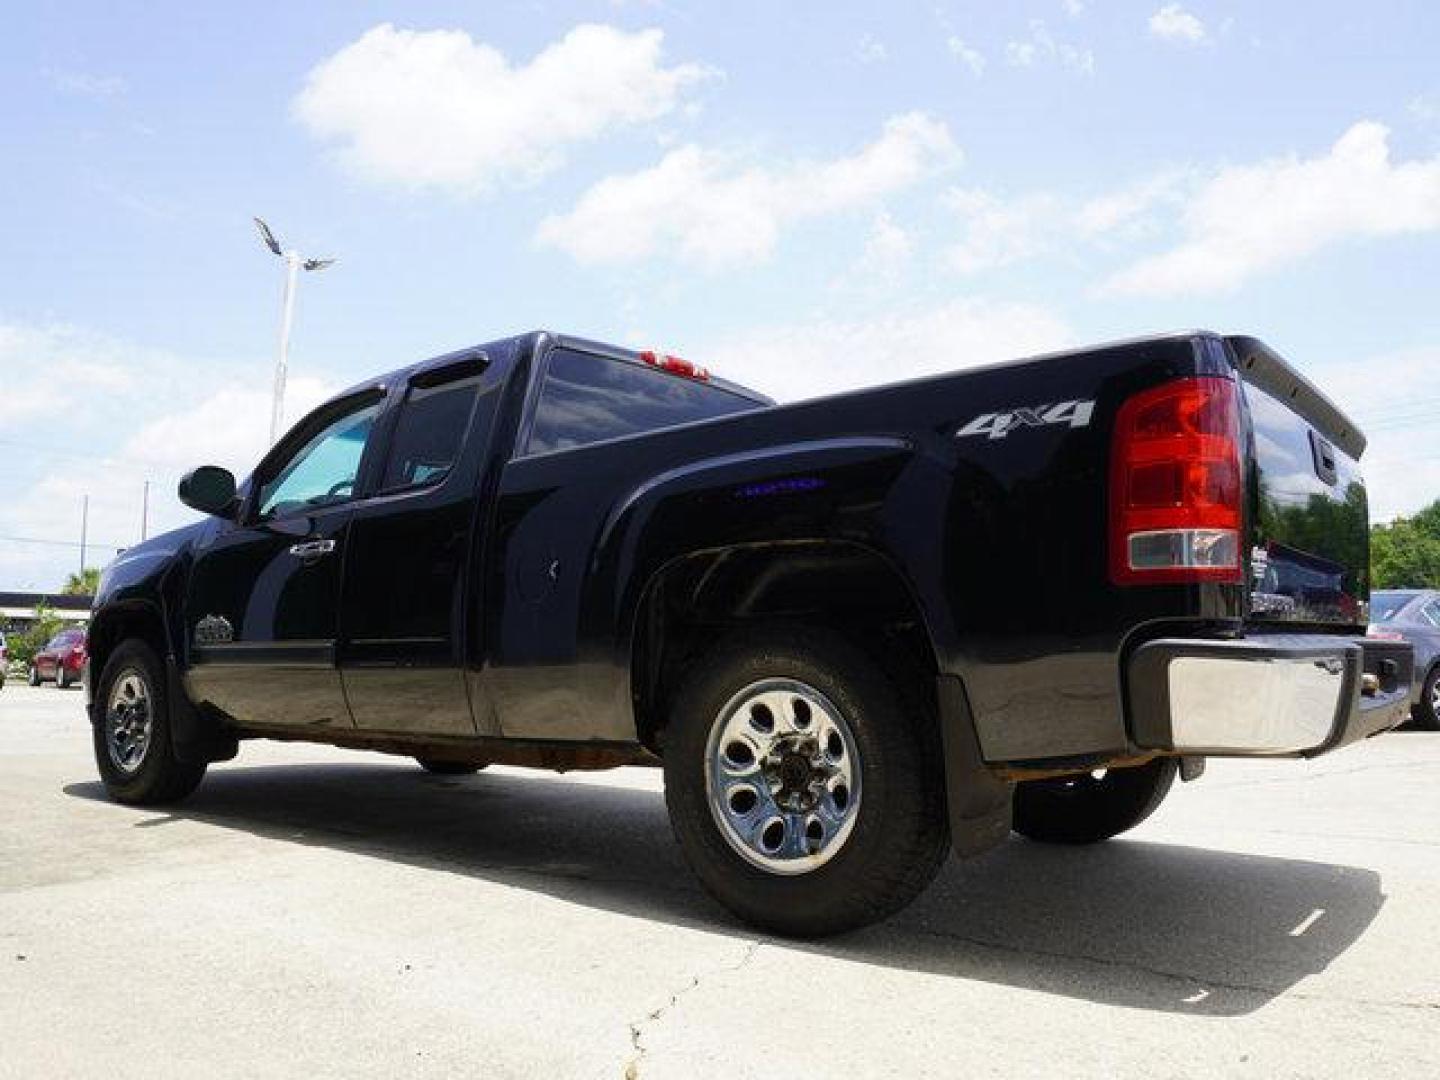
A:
<point x="312" y="549"/>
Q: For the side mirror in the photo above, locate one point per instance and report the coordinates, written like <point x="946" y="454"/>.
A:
<point x="209" y="489"/>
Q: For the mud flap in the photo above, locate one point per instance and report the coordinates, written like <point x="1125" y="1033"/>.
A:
<point x="195" y="737"/>
<point x="979" y="802"/>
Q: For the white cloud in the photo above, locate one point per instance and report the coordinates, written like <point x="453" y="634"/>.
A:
<point x="888" y="242"/>
<point x="888" y="249"/>
<point x="437" y="109"/>
<point x="996" y="232"/>
<point x="228" y="427"/>
<point x="68" y="357"/>
<point x="1173" y="23"/>
<point x="1424" y="108"/>
<point x="1073" y="8"/>
<point x="825" y="354"/>
<point x="708" y="208"/>
<point x="1042" y="47"/>
<point x="970" y="57"/>
<point x="1402" y="462"/>
<point x="871" y="50"/>
<point x="110" y="434"/>
<point x="828" y="355"/>
<point x="86" y="84"/>
<point x="1129" y="211"/>
<point x="1251" y="218"/>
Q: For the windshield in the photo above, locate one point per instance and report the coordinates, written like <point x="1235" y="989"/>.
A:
<point x="1384" y="606"/>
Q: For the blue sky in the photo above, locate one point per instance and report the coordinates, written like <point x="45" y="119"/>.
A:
<point x="805" y="197"/>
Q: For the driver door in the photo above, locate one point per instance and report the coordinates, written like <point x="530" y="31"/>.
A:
<point x="262" y="613"/>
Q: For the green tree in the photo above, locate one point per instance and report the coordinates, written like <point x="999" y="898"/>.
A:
<point x="1321" y="524"/>
<point x="82" y="584"/>
<point x="23" y="647"/>
<point x="1406" y="552"/>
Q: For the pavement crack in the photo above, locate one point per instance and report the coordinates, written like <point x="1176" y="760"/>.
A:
<point x="638" y="1027"/>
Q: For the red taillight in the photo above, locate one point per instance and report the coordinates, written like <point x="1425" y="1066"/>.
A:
<point x="1175" y="485"/>
<point x="1383" y="635"/>
<point x="675" y="366"/>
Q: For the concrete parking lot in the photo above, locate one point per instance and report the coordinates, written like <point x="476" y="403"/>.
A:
<point x="313" y="912"/>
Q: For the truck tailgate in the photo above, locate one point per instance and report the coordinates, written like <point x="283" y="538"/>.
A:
<point x="1309" y="521"/>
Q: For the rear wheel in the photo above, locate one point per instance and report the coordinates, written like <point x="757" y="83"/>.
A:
<point x="133" y="748"/>
<point x="1426" y="713"/>
<point x="807" y="798"/>
<point x="62" y="677"/>
<point x="1091" y="806"/>
<point x="448" y="768"/>
<point x="33" y="676"/>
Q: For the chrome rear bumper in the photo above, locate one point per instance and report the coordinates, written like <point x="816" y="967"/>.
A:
<point x="1267" y="695"/>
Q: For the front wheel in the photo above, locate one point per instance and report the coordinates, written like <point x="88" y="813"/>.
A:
<point x="1426" y="713"/>
<point x="33" y="676"/>
<point x="133" y="749"/>
<point x="62" y="677"/>
<point x="1093" y="806"/>
<point x="805" y="795"/>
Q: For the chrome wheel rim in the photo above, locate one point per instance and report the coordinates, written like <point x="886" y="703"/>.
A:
<point x="129" y="721"/>
<point x="1435" y="696"/>
<point x="782" y="776"/>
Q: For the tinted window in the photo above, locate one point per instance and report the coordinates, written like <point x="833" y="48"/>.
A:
<point x="432" y="425"/>
<point x="1431" y="613"/>
<point x="589" y="398"/>
<point x="323" y="471"/>
<point x="1384" y="606"/>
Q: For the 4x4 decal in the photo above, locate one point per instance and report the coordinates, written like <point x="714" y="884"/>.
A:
<point x="997" y="425"/>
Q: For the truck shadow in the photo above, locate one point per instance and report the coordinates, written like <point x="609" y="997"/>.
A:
<point x="1132" y="922"/>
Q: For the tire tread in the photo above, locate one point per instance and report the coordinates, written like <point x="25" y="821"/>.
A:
<point x="898" y="857"/>
<point x="162" y="777"/>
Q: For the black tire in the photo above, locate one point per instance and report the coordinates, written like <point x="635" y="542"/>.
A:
<point x="62" y="679"/>
<point x="1085" y="809"/>
<point x="448" y="768"/>
<point x="1423" y="714"/>
<point x="899" y="837"/>
<point x="33" y="676"/>
<point x="160" y="776"/>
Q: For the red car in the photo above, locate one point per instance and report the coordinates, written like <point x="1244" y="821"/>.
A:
<point x="62" y="659"/>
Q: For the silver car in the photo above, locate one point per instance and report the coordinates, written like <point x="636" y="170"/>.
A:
<point x="1414" y="614"/>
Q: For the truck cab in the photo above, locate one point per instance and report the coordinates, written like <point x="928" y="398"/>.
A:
<point x="855" y="631"/>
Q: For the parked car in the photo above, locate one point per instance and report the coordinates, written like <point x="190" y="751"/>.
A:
<point x="853" y="631"/>
<point x="1413" y="615"/>
<point x="4" y="659"/>
<point x="62" y="660"/>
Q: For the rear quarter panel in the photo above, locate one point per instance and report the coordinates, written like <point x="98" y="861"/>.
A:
<point x="1001" y="539"/>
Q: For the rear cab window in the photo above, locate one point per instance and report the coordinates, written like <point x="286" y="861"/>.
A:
<point x="431" y="427"/>
<point x="587" y="398"/>
<point x="1385" y="606"/>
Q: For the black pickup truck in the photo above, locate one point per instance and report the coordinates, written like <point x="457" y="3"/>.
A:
<point x="856" y="632"/>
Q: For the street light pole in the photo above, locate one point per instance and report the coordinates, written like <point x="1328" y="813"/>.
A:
<point x="282" y="360"/>
<point x="294" y="263"/>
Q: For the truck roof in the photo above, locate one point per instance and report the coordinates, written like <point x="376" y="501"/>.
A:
<point x="535" y="338"/>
